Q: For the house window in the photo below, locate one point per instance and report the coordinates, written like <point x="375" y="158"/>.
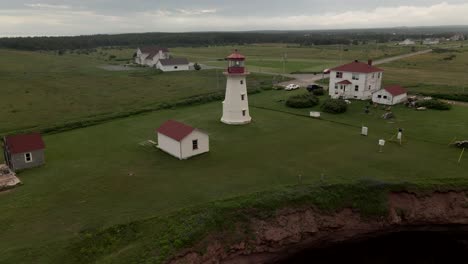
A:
<point x="356" y="88"/>
<point x="373" y="76"/>
<point x="370" y="87"/>
<point x="385" y="97"/>
<point x="379" y="96"/>
<point x="336" y="86"/>
<point x="28" y="157"/>
<point x="336" y="92"/>
<point x="242" y="97"/>
<point x="378" y="75"/>
<point x="355" y="97"/>
<point x="339" y="75"/>
<point x="242" y="81"/>
<point x="355" y="76"/>
<point x="195" y="144"/>
<point x="244" y="112"/>
<point x="175" y="67"/>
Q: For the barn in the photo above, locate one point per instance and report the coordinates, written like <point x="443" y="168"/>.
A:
<point x="182" y="141"/>
<point x="174" y="64"/>
<point x="24" y="151"/>
<point x="390" y="95"/>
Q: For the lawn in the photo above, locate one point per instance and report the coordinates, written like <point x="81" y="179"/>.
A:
<point x="50" y="89"/>
<point x="86" y="183"/>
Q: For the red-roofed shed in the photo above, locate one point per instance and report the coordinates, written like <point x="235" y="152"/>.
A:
<point x="24" y="151"/>
<point x="181" y="140"/>
<point x="390" y="95"/>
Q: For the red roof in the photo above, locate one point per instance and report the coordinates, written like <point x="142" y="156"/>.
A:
<point x="395" y="90"/>
<point x="358" y="67"/>
<point x="345" y="82"/>
<point x="175" y="130"/>
<point x="24" y="143"/>
<point x="236" y="56"/>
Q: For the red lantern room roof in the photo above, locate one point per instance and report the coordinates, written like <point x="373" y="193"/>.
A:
<point x="236" y="56"/>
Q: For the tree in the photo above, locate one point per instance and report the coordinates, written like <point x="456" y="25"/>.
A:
<point x="197" y="66"/>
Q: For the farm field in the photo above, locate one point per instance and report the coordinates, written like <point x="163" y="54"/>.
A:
<point x="50" y="90"/>
<point x="436" y="72"/>
<point x="91" y="187"/>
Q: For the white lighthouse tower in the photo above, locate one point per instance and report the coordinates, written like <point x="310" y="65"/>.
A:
<point x="236" y="103"/>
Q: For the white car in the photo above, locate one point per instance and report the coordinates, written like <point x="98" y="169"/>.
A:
<point x="291" y="87"/>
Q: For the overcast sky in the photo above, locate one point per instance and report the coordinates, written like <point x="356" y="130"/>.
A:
<point x="77" y="17"/>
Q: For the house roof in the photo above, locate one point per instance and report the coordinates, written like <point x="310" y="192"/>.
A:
<point x="24" y="143"/>
<point x="358" y="67"/>
<point x="152" y="50"/>
<point x="395" y="90"/>
<point x="175" y="130"/>
<point x="345" y="82"/>
<point x="174" y="61"/>
<point x="236" y="56"/>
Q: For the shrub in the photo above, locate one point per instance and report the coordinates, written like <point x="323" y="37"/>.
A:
<point x="302" y="101"/>
<point x="197" y="66"/>
<point x="318" y="92"/>
<point x="335" y="106"/>
<point x="434" y="104"/>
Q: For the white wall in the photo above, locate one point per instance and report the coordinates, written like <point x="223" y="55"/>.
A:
<point x="169" y="145"/>
<point x="367" y="85"/>
<point x="171" y="68"/>
<point x="203" y="144"/>
<point x="389" y="100"/>
<point x="233" y="104"/>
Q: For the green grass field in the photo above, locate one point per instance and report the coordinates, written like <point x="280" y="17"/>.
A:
<point x="51" y="89"/>
<point x="86" y="184"/>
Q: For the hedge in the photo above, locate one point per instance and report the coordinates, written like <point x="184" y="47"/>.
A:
<point x="335" y="106"/>
<point x="302" y="101"/>
<point x="434" y="104"/>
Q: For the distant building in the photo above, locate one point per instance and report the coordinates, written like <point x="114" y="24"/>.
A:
<point x="24" y="151"/>
<point x="175" y="64"/>
<point x="457" y="37"/>
<point x="356" y="80"/>
<point x="150" y="56"/>
<point x="390" y="95"/>
<point x="182" y="141"/>
<point x="407" y="42"/>
<point x="431" y="41"/>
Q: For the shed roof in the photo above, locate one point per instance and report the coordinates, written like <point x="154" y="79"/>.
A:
<point x="174" y="61"/>
<point x="395" y="90"/>
<point x="24" y="143"/>
<point x="175" y="130"/>
<point x="345" y="82"/>
<point x="358" y="67"/>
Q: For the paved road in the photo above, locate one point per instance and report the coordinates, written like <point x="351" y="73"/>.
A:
<point x="306" y="79"/>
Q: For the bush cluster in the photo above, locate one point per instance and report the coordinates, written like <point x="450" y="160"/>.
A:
<point x="453" y="97"/>
<point x="335" y="106"/>
<point x="318" y="92"/>
<point x="434" y="104"/>
<point x="302" y="101"/>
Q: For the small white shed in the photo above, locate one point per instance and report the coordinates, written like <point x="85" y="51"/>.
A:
<point x="391" y="95"/>
<point x="175" y="64"/>
<point x="182" y="141"/>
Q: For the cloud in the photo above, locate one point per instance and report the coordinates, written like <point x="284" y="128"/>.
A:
<point x="47" y="6"/>
<point x="45" y="20"/>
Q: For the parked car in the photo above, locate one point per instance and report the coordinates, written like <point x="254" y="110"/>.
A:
<point x="313" y="87"/>
<point x="291" y="87"/>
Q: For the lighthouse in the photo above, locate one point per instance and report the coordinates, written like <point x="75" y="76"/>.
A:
<point x="236" y="103"/>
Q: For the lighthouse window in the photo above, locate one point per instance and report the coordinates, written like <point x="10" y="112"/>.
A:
<point x="242" y="81"/>
<point x="242" y="97"/>
<point x="244" y="112"/>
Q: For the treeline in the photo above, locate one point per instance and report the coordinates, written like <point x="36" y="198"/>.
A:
<point x="305" y="38"/>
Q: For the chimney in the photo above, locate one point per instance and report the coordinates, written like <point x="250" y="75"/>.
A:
<point x="369" y="62"/>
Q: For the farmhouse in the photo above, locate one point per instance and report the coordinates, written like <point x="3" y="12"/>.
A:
<point x="356" y="80"/>
<point x="24" y="151"/>
<point x="175" y="64"/>
<point x="431" y="41"/>
<point x="150" y="56"/>
<point x="182" y="141"/>
<point x="391" y="95"/>
<point x="407" y="42"/>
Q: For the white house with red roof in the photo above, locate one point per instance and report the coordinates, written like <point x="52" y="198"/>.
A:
<point x="356" y="80"/>
<point x="150" y="55"/>
<point x="182" y="141"/>
<point x="390" y="95"/>
<point x="24" y="151"/>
